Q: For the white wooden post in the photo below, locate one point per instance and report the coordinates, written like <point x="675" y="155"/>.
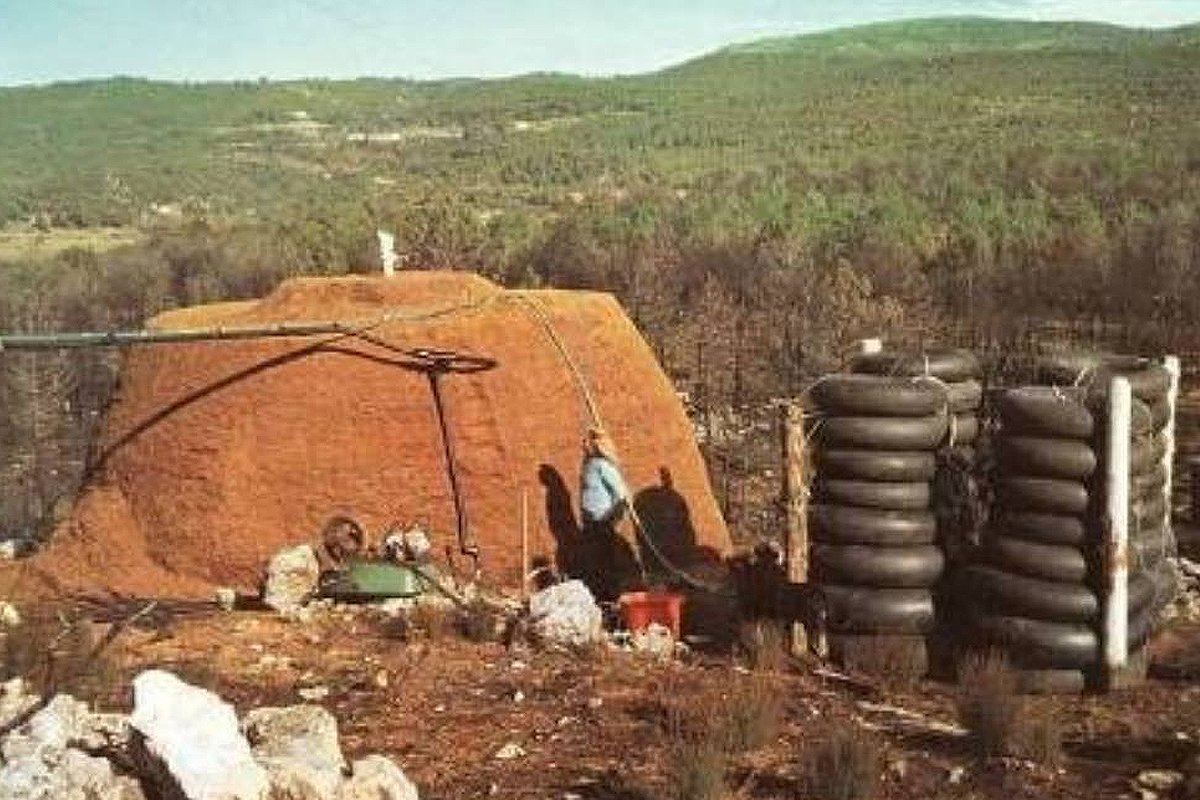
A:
<point x="387" y="252"/>
<point x="1173" y="368"/>
<point x="1116" y="566"/>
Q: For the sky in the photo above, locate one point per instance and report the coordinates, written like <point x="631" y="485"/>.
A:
<point x="49" y="40"/>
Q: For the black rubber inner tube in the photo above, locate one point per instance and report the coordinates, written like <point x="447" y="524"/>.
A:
<point x="1040" y="644"/>
<point x="1064" y="529"/>
<point x="857" y="609"/>
<point x="964" y="396"/>
<point x="1045" y="411"/>
<point x="914" y="567"/>
<point x="869" y="526"/>
<point x="1050" y="495"/>
<point x="1062" y="563"/>
<point x="877" y="396"/>
<point x="1046" y="457"/>
<point x="948" y="365"/>
<point x="876" y="465"/>
<point x="883" y="433"/>
<point x="910" y="496"/>
<point x="998" y="591"/>
<point x="965" y="430"/>
<point x="1147" y="380"/>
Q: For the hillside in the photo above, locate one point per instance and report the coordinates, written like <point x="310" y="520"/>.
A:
<point x="105" y="152"/>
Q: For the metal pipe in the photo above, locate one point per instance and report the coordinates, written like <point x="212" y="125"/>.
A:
<point x="1116" y="566"/>
<point x="67" y="341"/>
<point x="466" y="544"/>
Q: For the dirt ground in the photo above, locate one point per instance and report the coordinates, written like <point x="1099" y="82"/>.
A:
<point x="591" y="725"/>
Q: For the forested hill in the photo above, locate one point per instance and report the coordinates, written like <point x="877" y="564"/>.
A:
<point x="103" y="152"/>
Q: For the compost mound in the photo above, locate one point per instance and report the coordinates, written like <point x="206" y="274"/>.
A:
<point x="216" y="454"/>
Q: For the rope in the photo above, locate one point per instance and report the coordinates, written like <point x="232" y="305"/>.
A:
<point x="593" y="411"/>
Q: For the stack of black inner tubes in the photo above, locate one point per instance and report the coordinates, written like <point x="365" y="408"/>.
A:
<point x="958" y="371"/>
<point x="1032" y="591"/>
<point x="1152" y="579"/>
<point x="874" y="553"/>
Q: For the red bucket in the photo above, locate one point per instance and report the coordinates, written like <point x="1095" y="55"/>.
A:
<point x="639" y="609"/>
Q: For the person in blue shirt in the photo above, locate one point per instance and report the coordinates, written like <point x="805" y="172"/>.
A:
<point x="611" y="565"/>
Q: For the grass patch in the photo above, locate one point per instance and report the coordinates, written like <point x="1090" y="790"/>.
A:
<point x="845" y="764"/>
<point x="999" y="720"/>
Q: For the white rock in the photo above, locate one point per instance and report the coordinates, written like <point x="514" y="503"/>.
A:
<point x="65" y="775"/>
<point x="956" y="774"/>
<point x="566" y="614"/>
<point x="313" y="693"/>
<point x="510" y="751"/>
<point x="9" y="616"/>
<point x="14" y="700"/>
<point x="1159" y="780"/>
<point x="291" y="578"/>
<point x="64" y="722"/>
<point x="655" y="640"/>
<point x="416" y="543"/>
<point x="226" y="598"/>
<point x="377" y="778"/>
<point x="299" y="748"/>
<point x="191" y="742"/>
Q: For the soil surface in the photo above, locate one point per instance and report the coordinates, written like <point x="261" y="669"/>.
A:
<point x="591" y="725"/>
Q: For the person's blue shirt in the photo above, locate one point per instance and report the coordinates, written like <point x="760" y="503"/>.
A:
<point x="601" y="489"/>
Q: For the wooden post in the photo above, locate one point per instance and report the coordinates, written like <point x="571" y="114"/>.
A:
<point x="524" y="543"/>
<point x="1115" y="614"/>
<point x="795" y="498"/>
<point x="1173" y="367"/>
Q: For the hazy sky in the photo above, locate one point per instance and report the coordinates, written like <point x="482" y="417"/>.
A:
<point x="45" y="40"/>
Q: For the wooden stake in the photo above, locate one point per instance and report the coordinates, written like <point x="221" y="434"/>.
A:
<point x="795" y="498"/>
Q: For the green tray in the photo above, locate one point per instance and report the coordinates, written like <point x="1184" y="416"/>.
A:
<point x="363" y="580"/>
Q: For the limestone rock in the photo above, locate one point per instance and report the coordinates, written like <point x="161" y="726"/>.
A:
<point x="565" y="614"/>
<point x="189" y="744"/>
<point x="291" y="578"/>
<point x="65" y="774"/>
<point x="9" y="616"/>
<point x="378" y="778"/>
<point x="299" y="748"/>
<point x="655" y="640"/>
<point x="1159" y="780"/>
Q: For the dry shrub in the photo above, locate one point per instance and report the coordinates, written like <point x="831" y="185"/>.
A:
<point x="765" y="645"/>
<point x="989" y="705"/>
<point x="998" y="718"/>
<point x="751" y="712"/>
<point x="844" y="765"/>
<point x="430" y="620"/>
<point x="705" y="726"/>
<point x="477" y="622"/>
<point x="1040" y="737"/>
<point x="696" y="749"/>
<point x="60" y="653"/>
<point x="898" y="662"/>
